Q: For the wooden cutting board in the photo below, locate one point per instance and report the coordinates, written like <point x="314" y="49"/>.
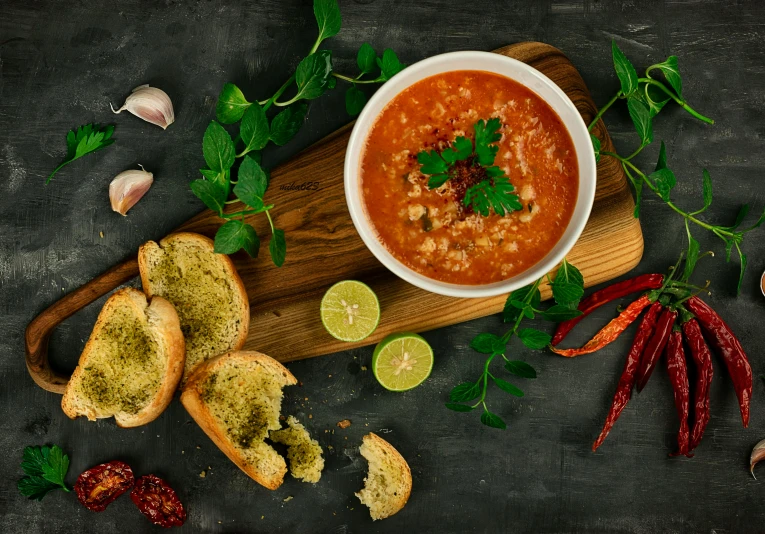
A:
<point x="323" y="248"/>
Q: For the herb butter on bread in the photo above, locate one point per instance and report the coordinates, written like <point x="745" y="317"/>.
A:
<point x="303" y="452"/>
<point x="236" y="399"/>
<point x="131" y="364"/>
<point x="389" y="481"/>
<point x="205" y="289"/>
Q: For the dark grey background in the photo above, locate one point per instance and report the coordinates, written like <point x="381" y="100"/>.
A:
<point x="61" y="63"/>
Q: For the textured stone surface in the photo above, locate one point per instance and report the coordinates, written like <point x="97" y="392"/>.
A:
<point x="61" y="63"/>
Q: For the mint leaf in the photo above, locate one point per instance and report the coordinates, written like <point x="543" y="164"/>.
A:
<point x="486" y="343"/>
<point x="355" y="100"/>
<point x="235" y="235"/>
<point x="672" y="74"/>
<point x="624" y="70"/>
<point x="254" y="129"/>
<point x="366" y="57"/>
<point x="664" y="180"/>
<point x="492" y="420"/>
<point x="534" y="339"/>
<point x="464" y="392"/>
<point x="328" y="18"/>
<point x="278" y="247"/>
<point x="740" y="216"/>
<point x="507" y="387"/>
<point x="459" y="407"/>
<point x="641" y="118"/>
<point x="661" y="163"/>
<point x="706" y="189"/>
<point x="313" y="75"/>
<point x="86" y="139"/>
<point x="514" y="304"/>
<point x="431" y="163"/>
<point x="568" y="286"/>
<point x="595" y="146"/>
<point x="655" y="98"/>
<point x="218" y="148"/>
<point x="252" y="184"/>
<point x="520" y="369"/>
<point x="486" y="133"/>
<point x="211" y="194"/>
<point x="691" y="257"/>
<point x="389" y="64"/>
<point x="742" y="257"/>
<point x="231" y="104"/>
<point x="287" y="123"/>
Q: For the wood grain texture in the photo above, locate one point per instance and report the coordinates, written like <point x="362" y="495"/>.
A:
<point x="323" y="248"/>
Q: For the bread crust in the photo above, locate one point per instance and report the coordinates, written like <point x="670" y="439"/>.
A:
<point x="228" y="266"/>
<point x="163" y="319"/>
<point x="373" y="440"/>
<point x="191" y="398"/>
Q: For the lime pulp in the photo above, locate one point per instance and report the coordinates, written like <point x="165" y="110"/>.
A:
<point x="402" y="361"/>
<point x="350" y="310"/>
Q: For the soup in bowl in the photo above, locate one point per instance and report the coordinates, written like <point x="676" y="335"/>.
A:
<point x="470" y="174"/>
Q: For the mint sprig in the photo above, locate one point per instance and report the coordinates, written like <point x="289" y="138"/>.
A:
<point x="567" y="288"/>
<point x="45" y="469"/>
<point x="237" y="161"/>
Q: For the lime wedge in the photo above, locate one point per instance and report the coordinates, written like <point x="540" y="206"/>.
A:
<point x="350" y="310"/>
<point x="402" y="361"/>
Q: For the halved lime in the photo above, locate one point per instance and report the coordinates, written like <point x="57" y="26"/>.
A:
<point x="402" y="361"/>
<point x="350" y="310"/>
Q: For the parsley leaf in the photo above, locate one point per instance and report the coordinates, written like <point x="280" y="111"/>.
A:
<point x="86" y="139"/>
<point x="46" y="469"/>
<point x="485" y="135"/>
<point x="432" y="163"/>
<point x="496" y="194"/>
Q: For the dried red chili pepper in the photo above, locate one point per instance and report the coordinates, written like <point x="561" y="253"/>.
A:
<point x="627" y="380"/>
<point x="609" y="332"/>
<point x="655" y="346"/>
<point x="703" y="360"/>
<point x="158" y="501"/>
<point x="725" y="342"/>
<point x="678" y="376"/>
<point x="606" y="295"/>
<point x="97" y="487"/>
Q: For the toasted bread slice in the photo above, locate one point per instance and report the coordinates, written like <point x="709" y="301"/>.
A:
<point x="236" y="399"/>
<point x="205" y="289"/>
<point x="303" y="452"/>
<point x="132" y="363"/>
<point x="389" y="481"/>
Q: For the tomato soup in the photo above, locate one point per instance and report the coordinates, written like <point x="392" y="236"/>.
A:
<point x="431" y="230"/>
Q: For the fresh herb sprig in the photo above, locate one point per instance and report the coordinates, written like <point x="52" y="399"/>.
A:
<point x="84" y="140"/>
<point x="645" y="98"/>
<point x="567" y="289"/>
<point x="494" y="190"/>
<point x="46" y="469"/>
<point x="313" y="76"/>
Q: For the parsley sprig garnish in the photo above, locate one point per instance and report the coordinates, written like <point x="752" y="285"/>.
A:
<point x="645" y="98"/>
<point x="524" y="303"/>
<point x="313" y="76"/>
<point x="492" y="190"/>
<point x="84" y="140"/>
<point x="46" y="469"/>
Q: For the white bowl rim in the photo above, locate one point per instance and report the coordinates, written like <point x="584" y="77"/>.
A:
<point x="575" y="126"/>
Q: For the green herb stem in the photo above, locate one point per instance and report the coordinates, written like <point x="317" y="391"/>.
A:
<point x="682" y="103"/>
<point x="355" y="80"/>
<point x="278" y="93"/>
<point x="603" y="110"/>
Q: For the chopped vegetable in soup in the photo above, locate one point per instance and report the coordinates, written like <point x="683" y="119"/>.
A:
<point x="436" y="231"/>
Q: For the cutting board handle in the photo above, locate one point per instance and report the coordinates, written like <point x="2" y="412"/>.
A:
<point x="39" y="330"/>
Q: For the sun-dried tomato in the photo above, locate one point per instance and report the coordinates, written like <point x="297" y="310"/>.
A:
<point x="158" y="501"/>
<point x="97" y="487"/>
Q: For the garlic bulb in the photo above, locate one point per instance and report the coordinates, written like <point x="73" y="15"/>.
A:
<point x="150" y="104"/>
<point x="758" y="453"/>
<point x="128" y="187"/>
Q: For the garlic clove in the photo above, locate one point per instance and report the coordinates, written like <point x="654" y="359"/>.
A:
<point x="150" y="104"/>
<point x="758" y="454"/>
<point x="128" y="187"/>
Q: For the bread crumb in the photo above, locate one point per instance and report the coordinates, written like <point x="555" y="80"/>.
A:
<point x="329" y="376"/>
<point x="202" y="474"/>
<point x="262" y="517"/>
<point x="101" y="234"/>
<point x="310" y="416"/>
<point x="345" y="423"/>
<point x="198" y="447"/>
<point x="363" y="367"/>
<point x="288" y="499"/>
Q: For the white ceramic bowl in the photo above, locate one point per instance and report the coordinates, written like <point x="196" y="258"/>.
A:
<point x="504" y="66"/>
